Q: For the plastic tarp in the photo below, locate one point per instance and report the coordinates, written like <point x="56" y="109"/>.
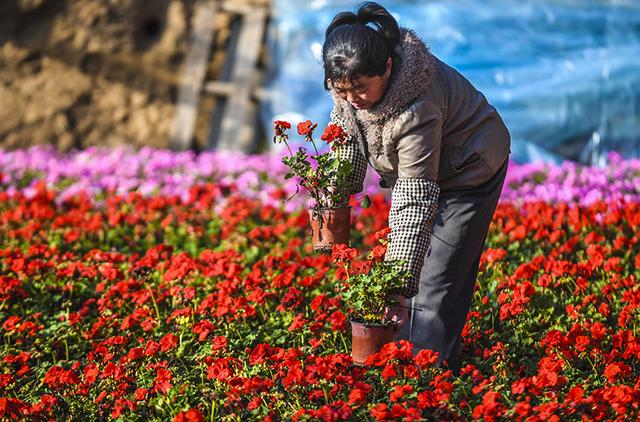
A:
<point x="564" y="75"/>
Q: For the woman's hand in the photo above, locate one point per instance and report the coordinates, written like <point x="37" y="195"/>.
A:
<point x="398" y="312"/>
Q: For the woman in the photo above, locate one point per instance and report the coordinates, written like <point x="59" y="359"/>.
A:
<point x="442" y="149"/>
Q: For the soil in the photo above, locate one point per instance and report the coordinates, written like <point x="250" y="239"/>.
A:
<point x="76" y="73"/>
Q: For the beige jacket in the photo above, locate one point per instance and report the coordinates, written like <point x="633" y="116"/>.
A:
<point x="432" y="123"/>
<point x="431" y="131"/>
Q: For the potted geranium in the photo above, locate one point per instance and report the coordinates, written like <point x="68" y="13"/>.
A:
<point x="367" y="292"/>
<point x="325" y="177"/>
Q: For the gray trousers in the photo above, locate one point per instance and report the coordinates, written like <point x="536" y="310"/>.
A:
<point x="450" y="269"/>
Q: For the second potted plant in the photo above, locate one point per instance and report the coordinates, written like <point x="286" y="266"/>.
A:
<point x="367" y="291"/>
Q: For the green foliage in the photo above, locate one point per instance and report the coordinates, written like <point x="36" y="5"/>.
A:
<point x="327" y="182"/>
<point x="369" y="294"/>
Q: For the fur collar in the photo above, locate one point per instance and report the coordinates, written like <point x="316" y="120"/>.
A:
<point x="409" y="79"/>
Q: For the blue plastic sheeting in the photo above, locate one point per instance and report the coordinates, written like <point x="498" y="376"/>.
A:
<point x="564" y="75"/>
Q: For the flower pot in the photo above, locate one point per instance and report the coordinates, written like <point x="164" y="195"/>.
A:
<point x="367" y="339"/>
<point x="329" y="226"/>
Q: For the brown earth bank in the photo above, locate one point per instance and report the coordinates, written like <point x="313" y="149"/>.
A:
<point x="77" y="73"/>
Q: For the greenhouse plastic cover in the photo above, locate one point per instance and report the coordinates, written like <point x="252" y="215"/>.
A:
<point x="564" y="75"/>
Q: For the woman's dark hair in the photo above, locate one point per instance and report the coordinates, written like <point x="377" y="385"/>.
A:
<point x="359" y="43"/>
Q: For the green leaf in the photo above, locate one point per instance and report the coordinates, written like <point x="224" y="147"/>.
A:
<point x="366" y="202"/>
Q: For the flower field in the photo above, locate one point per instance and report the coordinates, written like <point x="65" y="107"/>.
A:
<point x="154" y="285"/>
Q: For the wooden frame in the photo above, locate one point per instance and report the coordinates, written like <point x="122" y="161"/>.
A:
<point x="234" y="121"/>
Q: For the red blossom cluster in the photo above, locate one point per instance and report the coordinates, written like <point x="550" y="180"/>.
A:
<point x="151" y="307"/>
<point x="306" y="128"/>
<point x="334" y="135"/>
<point x="280" y="128"/>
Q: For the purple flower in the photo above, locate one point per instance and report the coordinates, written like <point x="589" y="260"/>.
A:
<point x="96" y="170"/>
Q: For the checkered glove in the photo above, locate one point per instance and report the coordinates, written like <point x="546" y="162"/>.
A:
<point x="414" y="198"/>
<point x="414" y="204"/>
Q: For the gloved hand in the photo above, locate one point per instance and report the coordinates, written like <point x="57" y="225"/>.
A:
<point x="398" y="312"/>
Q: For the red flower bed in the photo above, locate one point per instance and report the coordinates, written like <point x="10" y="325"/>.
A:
<point x="150" y="308"/>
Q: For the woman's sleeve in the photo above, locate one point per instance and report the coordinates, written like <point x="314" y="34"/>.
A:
<point x="350" y="151"/>
<point x="414" y="198"/>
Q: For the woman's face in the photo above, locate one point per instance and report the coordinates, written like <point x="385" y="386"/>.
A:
<point x="365" y="91"/>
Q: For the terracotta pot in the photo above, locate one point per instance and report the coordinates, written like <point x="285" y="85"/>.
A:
<point x="329" y="226"/>
<point x="367" y="339"/>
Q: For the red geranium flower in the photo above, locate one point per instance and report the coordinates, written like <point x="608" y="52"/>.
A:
<point x="334" y="134"/>
<point x="91" y="373"/>
<point x="163" y="380"/>
<point x="399" y="391"/>
<point x="279" y="128"/>
<point x="219" y="343"/>
<point x="306" y="128"/>
<point x="382" y="234"/>
<point x="388" y="372"/>
<point x="281" y="125"/>
<point x="343" y="253"/>
<point x="140" y="393"/>
<point x="425" y="358"/>
<point x="168" y="342"/>
<point x="614" y="369"/>
<point x="151" y="348"/>
<point x="191" y="415"/>
<point x="380" y="411"/>
<point x="58" y="377"/>
<point x="359" y="394"/>
<point x="378" y="252"/>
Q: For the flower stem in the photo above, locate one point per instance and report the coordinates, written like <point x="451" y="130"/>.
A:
<point x="287" y="144"/>
<point x="344" y="343"/>
<point x="155" y="305"/>
<point x="314" y="145"/>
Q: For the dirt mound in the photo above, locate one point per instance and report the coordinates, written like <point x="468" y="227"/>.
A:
<point x="79" y="73"/>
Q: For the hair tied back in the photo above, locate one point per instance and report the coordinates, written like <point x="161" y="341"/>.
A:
<point x="342" y="18"/>
<point x="381" y="21"/>
<point x="359" y="43"/>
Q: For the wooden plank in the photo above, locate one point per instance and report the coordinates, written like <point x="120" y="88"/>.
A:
<point x="218" y="88"/>
<point x="236" y="8"/>
<point x="238" y="119"/>
<point x="224" y="77"/>
<point x="195" y="68"/>
<point x="223" y="88"/>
